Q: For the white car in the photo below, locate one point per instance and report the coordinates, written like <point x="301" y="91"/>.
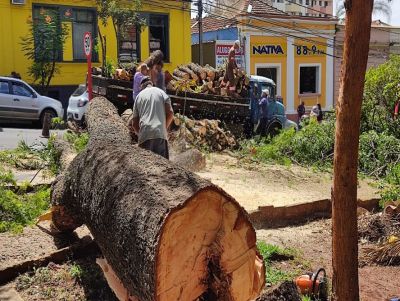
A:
<point x="19" y="101"/>
<point x="78" y="103"/>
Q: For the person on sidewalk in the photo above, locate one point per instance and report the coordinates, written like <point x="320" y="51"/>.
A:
<point x="152" y="116"/>
<point x="301" y="110"/>
<point x="263" y="105"/>
<point x="320" y="116"/>
<point x="141" y="72"/>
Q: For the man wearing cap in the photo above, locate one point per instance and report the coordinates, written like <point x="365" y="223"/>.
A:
<point x="152" y="115"/>
<point x="263" y="105"/>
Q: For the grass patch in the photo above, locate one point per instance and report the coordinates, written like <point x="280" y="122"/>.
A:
<point x="77" y="140"/>
<point x="40" y="156"/>
<point x="273" y="254"/>
<point x="20" y="209"/>
<point x="76" y="271"/>
<point x="71" y="281"/>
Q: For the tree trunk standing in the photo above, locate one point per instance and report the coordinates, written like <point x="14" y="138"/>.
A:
<point x="344" y="193"/>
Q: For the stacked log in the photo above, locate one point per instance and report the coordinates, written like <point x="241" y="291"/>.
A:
<point x="208" y="80"/>
<point x="203" y="134"/>
<point x="165" y="233"/>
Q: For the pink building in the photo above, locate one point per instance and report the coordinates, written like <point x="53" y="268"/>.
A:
<point x="385" y="40"/>
<point x="319" y="8"/>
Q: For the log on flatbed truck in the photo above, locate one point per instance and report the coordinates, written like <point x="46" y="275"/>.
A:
<point x="243" y="111"/>
<point x="166" y="233"/>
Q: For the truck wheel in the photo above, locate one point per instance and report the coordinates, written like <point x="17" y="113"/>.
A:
<point x="274" y="129"/>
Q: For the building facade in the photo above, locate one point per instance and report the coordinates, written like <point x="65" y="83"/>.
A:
<point x="309" y="8"/>
<point x="167" y="28"/>
<point x="296" y="52"/>
<point x="384" y="41"/>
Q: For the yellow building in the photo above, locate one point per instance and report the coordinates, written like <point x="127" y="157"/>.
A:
<point x="296" y="52"/>
<point x="167" y="28"/>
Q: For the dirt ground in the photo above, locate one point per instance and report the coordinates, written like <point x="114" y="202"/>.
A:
<point x="33" y="243"/>
<point x="254" y="185"/>
<point x="377" y="283"/>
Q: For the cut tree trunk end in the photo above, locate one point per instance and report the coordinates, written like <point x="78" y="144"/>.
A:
<point x="166" y="233"/>
<point x="344" y="193"/>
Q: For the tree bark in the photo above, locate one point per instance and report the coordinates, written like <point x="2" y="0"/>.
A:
<point x="344" y="192"/>
<point x="166" y="233"/>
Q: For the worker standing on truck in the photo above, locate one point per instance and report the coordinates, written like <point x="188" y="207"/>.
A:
<point x="231" y="67"/>
<point x="263" y="106"/>
<point x="152" y="116"/>
<point x="141" y="72"/>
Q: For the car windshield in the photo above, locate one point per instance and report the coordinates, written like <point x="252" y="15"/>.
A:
<point x="80" y="90"/>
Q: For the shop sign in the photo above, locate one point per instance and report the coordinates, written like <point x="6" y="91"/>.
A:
<point x="222" y="50"/>
<point x="309" y="50"/>
<point x="268" y="50"/>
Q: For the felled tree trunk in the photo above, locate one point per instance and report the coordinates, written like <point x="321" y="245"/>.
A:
<point x="166" y="233"/>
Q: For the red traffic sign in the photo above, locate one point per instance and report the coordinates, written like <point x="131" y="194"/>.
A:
<point x="87" y="44"/>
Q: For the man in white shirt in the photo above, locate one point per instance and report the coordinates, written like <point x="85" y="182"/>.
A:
<point x="152" y="115"/>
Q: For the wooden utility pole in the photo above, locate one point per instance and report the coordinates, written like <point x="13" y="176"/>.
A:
<point x="200" y="16"/>
<point x="344" y="192"/>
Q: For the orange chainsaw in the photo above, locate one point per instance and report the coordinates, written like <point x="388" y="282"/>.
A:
<point x="314" y="285"/>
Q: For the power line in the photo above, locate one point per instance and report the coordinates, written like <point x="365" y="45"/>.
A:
<point x="330" y="15"/>
<point x="277" y="33"/>
<point x="284" y="25"/>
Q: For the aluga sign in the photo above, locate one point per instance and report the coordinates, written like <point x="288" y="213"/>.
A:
<point x="222" y="50"/>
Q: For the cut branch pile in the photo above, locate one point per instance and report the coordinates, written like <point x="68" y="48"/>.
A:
<point x="204" y="134"/>
<point x="387" y="254"/>
<point x="165" y="233"/>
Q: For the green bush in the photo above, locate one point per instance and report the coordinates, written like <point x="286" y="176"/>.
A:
<point x="17" y="211"/>
<point x="313" y="145"/>
<point x="379" y="153"/>
<point x="380" y="95"/>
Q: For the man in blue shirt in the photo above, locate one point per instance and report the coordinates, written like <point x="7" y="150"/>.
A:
<point x="263" y="106"/>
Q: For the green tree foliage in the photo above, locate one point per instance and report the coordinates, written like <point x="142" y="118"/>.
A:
<point x="380" y="95"/>
<point x="43" y="46"/>
<point x="123" y="14"/>
<point x="19" y="209"/>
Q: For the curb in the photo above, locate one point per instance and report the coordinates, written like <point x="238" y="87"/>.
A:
<point x="276" y="217"/>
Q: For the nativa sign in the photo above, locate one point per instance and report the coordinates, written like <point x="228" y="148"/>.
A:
<point x="268" y="49"/>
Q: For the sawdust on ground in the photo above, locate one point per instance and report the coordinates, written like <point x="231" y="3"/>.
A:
<point x="257" y="184"/>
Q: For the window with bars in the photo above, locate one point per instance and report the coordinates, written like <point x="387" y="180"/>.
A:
<point x="309" y="79"/>
<point x="159" y="34"/>
<point x="82" y="20"/>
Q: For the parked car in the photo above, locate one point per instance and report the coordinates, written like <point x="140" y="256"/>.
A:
<point x="19" y="101"/>
<point x="78" y="103"/>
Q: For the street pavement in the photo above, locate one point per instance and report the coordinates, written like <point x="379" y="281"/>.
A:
<point x="10" y="136"/>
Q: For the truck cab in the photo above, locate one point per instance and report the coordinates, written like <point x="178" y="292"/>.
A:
<point x="276" y="110"/>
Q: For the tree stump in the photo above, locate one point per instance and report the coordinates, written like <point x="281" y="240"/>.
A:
<point x="167" y="233"/>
